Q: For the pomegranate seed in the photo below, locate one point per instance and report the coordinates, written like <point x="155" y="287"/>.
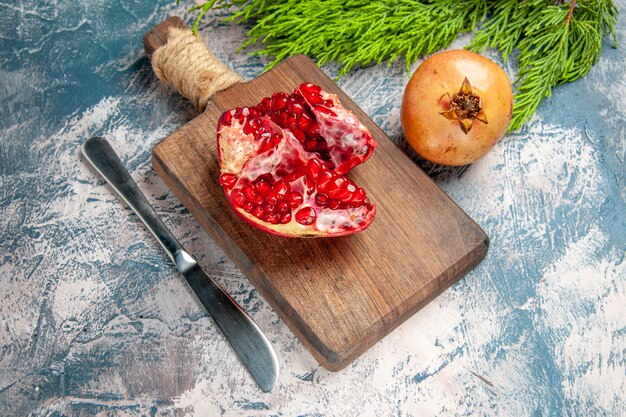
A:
<point x="358" y="197"/>
<point x="299" y="135"/>
<point x="247" y="206"/>
<point x="251" y="125"/>
<point x="279" y="101"/>
<point x="322" y="109"/>
<point x="271" y="198"/>
<point x="275" y="140"/>
<point x="281" y="189"/>
<point x="321" y="199"/>
<point x="272" y="218"/>
<point x="314" y="130"/>
<point x="248" y="191"/>
<point x="266" y="145"/>
<point x="311" y="145"/>
<point x="324" y="180"/>
<point x="282" y="207"/>
<point x="333" y="204"/>
<point x="313" y="168"/>
<point x="237" y="197"/>
<point x="310" y="88"/>
<point x="337" y="187"/>
<point x="295" y="108"/>
<point x="306" y="216"/>
<point x="270" y="208"/>
<point x="257" y="201"/>
<point x="294" y="200"/>
<point x="304" y="122"/>
<point x="265" y="105"/>
<point x="315" y="99"/>
<point x="225" y="118"/>
<point x="257" y="212"/>
<point x="292" y="176"/>
<point x="285" y="218"/>
<point x="291" y="121"/>
<point x="328" y="103"/>
<point x="262" y="187"/>
<point x="227" y="180"/>
<point x="282" y="119"/>
<point x="267" y="177"/>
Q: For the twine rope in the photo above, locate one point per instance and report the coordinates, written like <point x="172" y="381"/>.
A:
<point x="186" y="63"/>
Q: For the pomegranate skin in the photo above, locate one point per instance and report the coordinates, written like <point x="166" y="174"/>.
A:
<point x="439" y="139"/>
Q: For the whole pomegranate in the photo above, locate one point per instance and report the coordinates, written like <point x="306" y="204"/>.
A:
<point x="456" y="106"/>
<point x="283" y="163"/>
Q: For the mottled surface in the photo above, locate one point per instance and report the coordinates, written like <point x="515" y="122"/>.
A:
<point x="95" y="321"/>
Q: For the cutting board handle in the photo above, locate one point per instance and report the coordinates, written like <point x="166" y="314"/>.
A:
<point x="183" y="60"/>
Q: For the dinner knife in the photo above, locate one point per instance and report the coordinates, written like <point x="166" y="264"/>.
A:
<point x="246" y="338"/>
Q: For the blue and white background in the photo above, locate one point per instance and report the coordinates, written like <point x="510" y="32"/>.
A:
<point x="95" y="321"/>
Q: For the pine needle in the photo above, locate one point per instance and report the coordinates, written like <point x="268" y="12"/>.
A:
<point x="553" y="42"/>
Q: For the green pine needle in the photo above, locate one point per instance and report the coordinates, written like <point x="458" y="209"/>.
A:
<point x="553" y="42"/>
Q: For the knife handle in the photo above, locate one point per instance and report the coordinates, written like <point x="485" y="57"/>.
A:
<point x="103" y="158"/>
<point x="183" y="60"/>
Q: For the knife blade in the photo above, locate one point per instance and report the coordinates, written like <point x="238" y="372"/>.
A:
<point x="243" y="334"/>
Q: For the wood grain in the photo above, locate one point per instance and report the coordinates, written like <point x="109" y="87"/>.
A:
<point x="338" y="295"/>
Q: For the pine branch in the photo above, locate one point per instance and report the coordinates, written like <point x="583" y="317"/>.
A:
<point x="553" y="41"/>
<point x="557" y="43"/>
<point x="357" y="32"/>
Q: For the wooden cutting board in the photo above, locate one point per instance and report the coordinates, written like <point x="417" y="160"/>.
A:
<point x="339" y="296"/>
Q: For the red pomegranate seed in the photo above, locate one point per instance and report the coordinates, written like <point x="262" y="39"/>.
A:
<point x="294" y="200"/>
<point x="247" y="206"/>
<point x="313" y="168"/>
<point x="271" y="197"/>
<point x="310" y="88"/>
<point x="299" y="135"/>
<point x="227" y="180"/>
<point x="337" y="187"/>
<point x="304" y="122"/>
<point x="262" y="187"/>
<point x="315" y="99"/>
<point x="282" y="207"/>
<point x="321" y="199"/>
<point x="265" y="105"/>
<point x="249" y="192"/>
<point x="281" y="189"/>
<point x="291" y="121"/>
<point x="279" y="101"/>
<point x="333" y="204"/>
<point x="322" y="109"/>
<point x="285" y="218"/>
<point x="226" y="118"/>
<point x="257" y="212"/>
<point x="311" y="145"/>
<point x="292" y="176"/>
<point x="272" y="218"/>
<point x="306" y="216"/>
<point x="237" y="197"/>
<point x="358" y="197"/>
<point x="270" y="208"/>
<point x="295" y="107"/>
<point x="314" y="130"/>
<point x="324" y="180"/>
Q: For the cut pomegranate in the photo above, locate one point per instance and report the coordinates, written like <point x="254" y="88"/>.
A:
<point x="282" y="164"/>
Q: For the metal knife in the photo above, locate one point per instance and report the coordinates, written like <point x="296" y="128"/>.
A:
<point x="248" y="341"/>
